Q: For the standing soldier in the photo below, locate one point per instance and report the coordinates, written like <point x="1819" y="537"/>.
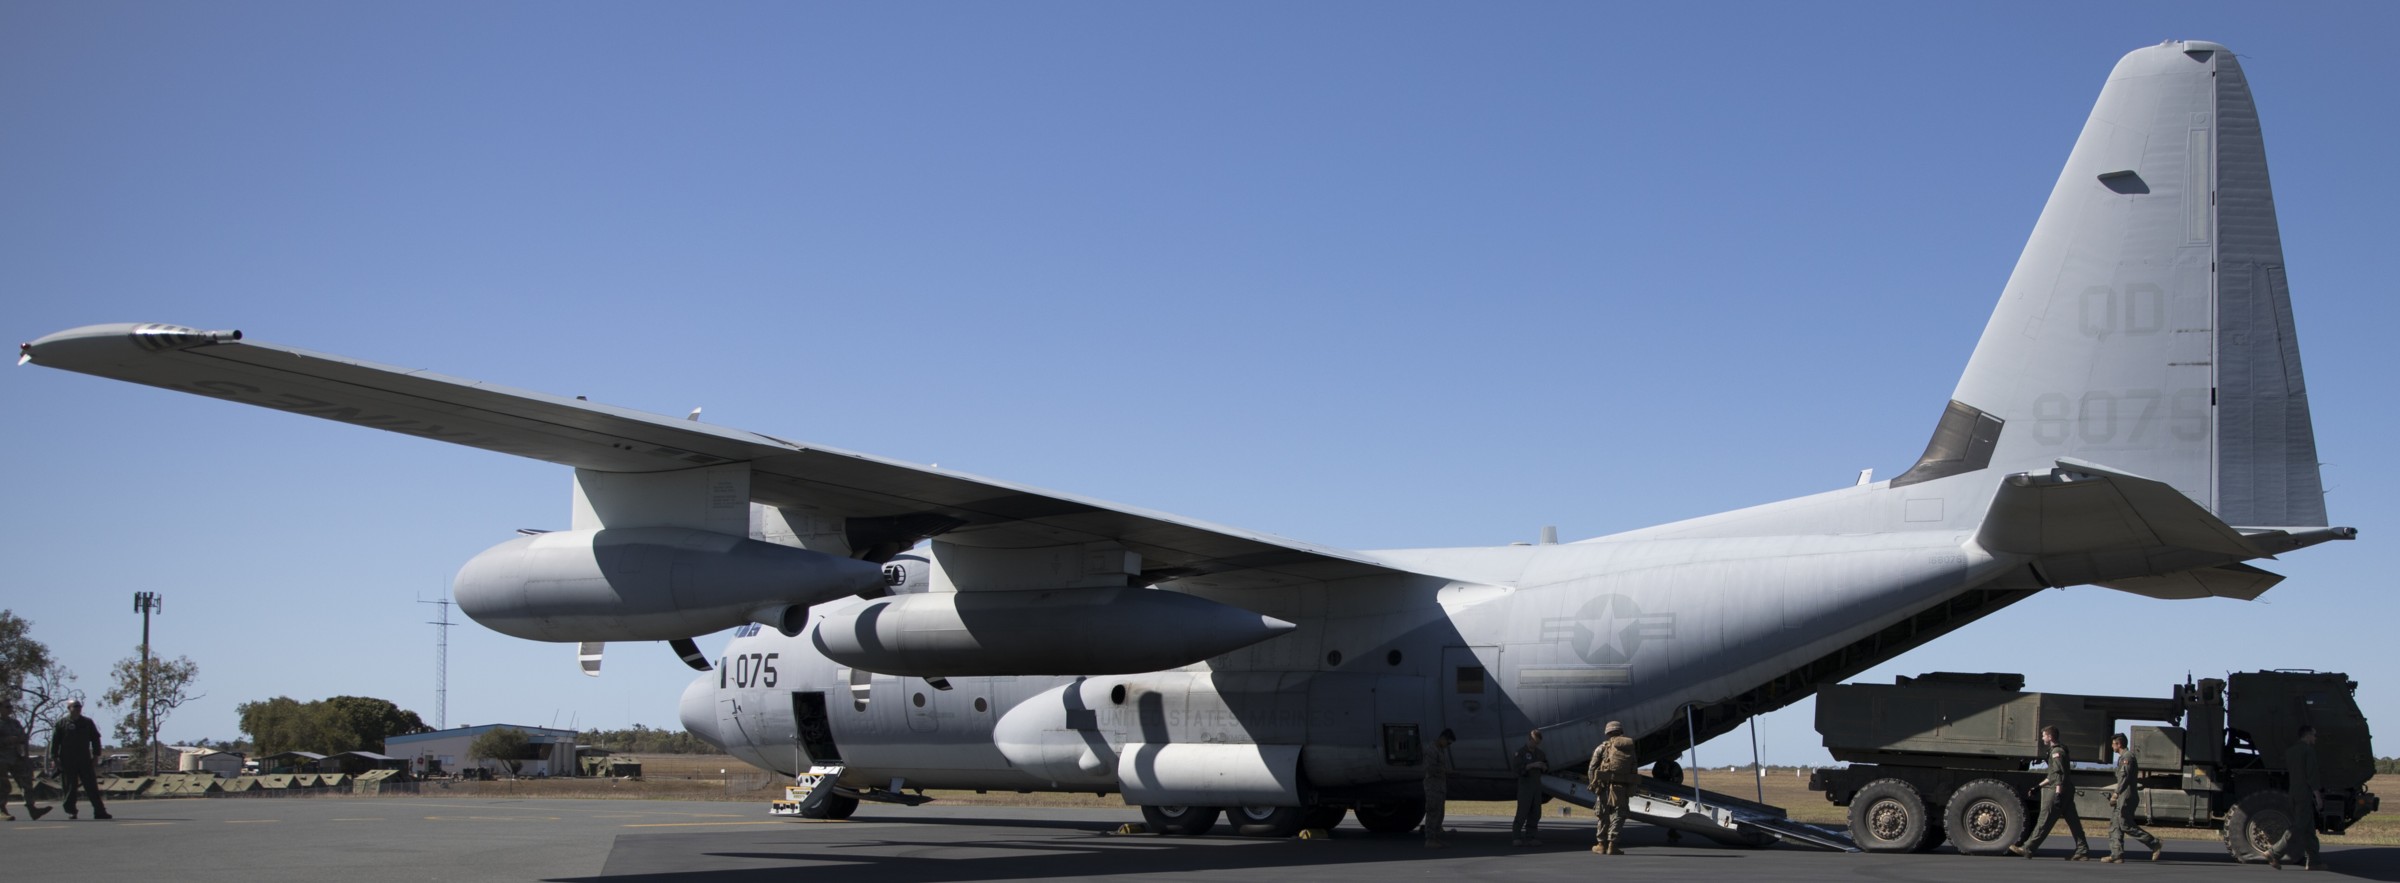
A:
<point x="1610" y="775"/>
<point x="15" y="764"/>
<point x="1437" y="787"/>
<point x="1530" y="763"/>
<point x="2308" y="798"/>
<point x="2121" y="799"/>
<point x="74" y="745"/>
<point x="2058" y="799"/>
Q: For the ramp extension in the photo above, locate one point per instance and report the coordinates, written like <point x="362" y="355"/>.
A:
<point x="1723" y="819"/>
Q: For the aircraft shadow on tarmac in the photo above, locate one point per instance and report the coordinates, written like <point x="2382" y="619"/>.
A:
<point x="1021" y="849"/>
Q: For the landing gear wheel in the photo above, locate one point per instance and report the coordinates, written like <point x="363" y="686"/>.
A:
<point x="1986" y="817"/>
<point x="1323" y="818"/>
<point x="1267" y="821"/>
<point x="1397" y="817"/>
<point x="824" y="804"/>
<point x="1181" y="821"/>
<point x="1667" y="771"/>
<point x="1888" y="816"/>
<point x="2255" y="823"/>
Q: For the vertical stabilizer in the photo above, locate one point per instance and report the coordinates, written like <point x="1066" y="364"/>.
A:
<point x="2147" y="327"/>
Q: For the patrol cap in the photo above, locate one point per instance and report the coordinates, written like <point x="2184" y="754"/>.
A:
<point x="1613" y="727"/>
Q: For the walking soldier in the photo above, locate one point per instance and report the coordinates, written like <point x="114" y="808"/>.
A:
<point x="1611" y="776"/>
<point x="2122" y="798"/>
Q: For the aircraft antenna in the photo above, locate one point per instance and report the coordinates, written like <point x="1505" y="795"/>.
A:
<point x="441" y="664"/>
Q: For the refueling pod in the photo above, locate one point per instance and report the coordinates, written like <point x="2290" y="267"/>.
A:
<point x="650" y="584"/>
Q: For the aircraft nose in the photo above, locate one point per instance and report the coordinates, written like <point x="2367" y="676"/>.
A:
<point x="698" y="709"/>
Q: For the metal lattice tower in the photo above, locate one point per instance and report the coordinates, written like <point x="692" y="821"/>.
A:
<point x="441" y="666"/>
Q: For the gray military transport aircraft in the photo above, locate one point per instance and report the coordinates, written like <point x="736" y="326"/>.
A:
<point x="2134" y="417"/>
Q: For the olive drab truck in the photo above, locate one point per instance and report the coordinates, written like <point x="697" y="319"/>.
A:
<point x="1952" y="757"/>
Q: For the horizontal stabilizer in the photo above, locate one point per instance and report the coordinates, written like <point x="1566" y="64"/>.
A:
<point x="2083" y="523"/>
<point x="2082" y="508"/>
<point x="2224" y="581"/>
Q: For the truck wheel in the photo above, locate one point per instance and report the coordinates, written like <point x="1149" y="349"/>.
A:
<point x="1323" y="818"/>
<point x="1888" y="816"/>
<point x="1397" y="817"/>
<point x="1266" y="821"/>
<point x="2255" y="823"/>
<point x="1986" y="817"/>
<point x="1181" y="821"/>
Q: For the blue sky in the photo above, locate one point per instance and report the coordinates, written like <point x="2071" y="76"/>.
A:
<point x="1372" y="275"/>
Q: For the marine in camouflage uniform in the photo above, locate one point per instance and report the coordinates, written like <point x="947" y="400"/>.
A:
<point x="1611" y="775"/>
<point x="1530" y="763"/>
<point x="2058" y="800"/>
<point x="2308" y="796"/>
<point x="2122" y="797"/>
<point x="16" y="764"/>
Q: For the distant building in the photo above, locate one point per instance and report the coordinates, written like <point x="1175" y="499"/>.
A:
<point x="445" y="751"/>
<point x="208" y="760"/>
<point x="290" y="762"/>
<point x="355" y="762"/>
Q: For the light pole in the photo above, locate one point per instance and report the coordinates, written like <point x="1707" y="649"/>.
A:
<point x="147" y="603"/>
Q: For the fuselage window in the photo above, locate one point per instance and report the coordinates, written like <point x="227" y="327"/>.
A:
<point x="862" y="688"/>
<point x="1470" y="679"/>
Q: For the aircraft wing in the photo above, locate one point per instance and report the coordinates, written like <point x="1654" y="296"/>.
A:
<point x="922" y="500"/>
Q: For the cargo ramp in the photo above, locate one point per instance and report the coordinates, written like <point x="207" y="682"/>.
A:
<point x="1727" y="820"/>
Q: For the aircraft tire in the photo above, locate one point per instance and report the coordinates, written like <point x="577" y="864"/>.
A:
<point x="1396" y="817"/>
<point x="832" y="806"/>
<point x="1888" y="816"/>
<point x="1985" y="817"/>
<point x="1323" y="818"/>
<point x="1267" y="821"/>
<point x="2255" y="823"/>
<point x="1180" y="821"/>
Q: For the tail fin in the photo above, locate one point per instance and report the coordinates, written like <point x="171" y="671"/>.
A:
<point x="2147" y="328"/>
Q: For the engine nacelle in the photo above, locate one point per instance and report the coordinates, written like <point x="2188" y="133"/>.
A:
<point x="649" y="584"/>
<point x="1053" y="632"/>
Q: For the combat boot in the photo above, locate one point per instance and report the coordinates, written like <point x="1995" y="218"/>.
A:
<point x="1614" y="849"/>
<point x="1599" y="849"/>
<point x="2113" y="860"/>
<point x="2015" y="849"/>
<point x="37" y="812"/>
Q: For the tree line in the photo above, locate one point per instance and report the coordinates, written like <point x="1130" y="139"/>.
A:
<point x="325" y="726"/>
<point x="644" y="740"/>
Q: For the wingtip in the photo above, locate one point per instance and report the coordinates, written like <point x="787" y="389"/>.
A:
<point x="110" y="339"/>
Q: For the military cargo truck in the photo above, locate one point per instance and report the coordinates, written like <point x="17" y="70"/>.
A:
<point x="1949" y="756"/>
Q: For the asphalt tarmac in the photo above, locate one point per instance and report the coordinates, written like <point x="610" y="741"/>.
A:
<point x="373" y="840"/>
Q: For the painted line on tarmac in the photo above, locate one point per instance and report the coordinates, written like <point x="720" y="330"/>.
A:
<point x="251" y="821"/>
<point x="699" y="824"/>
<point x="491" y="818"/>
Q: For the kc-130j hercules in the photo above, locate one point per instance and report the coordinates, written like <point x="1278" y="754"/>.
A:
<point x="2133" y="417"/>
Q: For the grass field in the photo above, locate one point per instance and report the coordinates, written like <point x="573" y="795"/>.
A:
<point x="718" y="777"/>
